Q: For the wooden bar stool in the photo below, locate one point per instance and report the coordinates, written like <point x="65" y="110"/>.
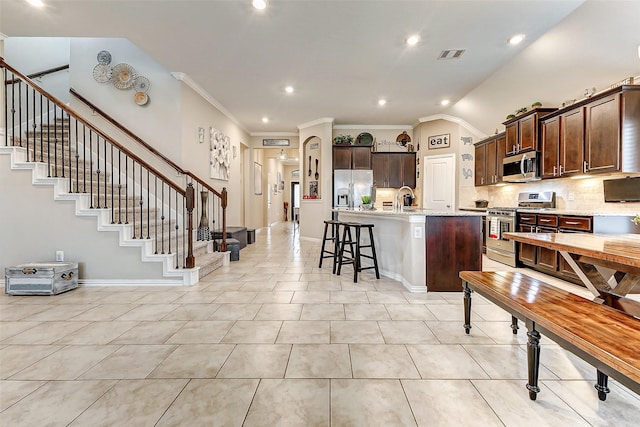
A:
<point x="355" y="249"/>
<point x="335" y="238"/>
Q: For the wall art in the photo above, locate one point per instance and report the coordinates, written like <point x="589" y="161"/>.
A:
<point x="122" y="76"/>
<point x="219" y="159"/>
<point x="439" y="141"/>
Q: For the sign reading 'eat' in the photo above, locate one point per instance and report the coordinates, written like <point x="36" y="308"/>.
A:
<point x="439" y="141"/>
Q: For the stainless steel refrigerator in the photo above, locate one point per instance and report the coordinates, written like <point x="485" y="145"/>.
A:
<point x="350" y="185"/>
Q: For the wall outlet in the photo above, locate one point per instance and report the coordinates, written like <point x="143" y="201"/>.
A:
<point x="59" y="256"/>
<point x="571" y="195"/>
<point x="417" y="233"/>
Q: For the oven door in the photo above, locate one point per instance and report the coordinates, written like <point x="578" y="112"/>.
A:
<point x="497" y="226"/>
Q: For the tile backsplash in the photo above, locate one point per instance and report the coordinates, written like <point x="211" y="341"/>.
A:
<point x="572" y="194"/>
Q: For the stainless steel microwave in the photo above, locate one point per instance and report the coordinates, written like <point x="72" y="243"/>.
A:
<point x="521" y="167"/>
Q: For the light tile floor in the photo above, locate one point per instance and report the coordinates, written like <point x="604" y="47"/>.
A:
<point x="274" y="340"/>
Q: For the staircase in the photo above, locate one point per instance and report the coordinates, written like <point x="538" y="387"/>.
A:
<point x="121" y="190"/>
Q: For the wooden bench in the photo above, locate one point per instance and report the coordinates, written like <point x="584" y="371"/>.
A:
<point x="604" y="337"/>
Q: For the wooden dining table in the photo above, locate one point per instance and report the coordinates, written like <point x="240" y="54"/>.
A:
<point x="607" y="264"/>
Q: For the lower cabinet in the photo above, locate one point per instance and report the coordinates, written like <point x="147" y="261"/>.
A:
<point x="546" y="260"/>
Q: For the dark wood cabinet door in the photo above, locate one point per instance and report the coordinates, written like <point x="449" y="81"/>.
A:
<point x="341" y="158"/>
<point x="526" y="253"/>
<point x="572" y="142"/>
<point x="409" y="169"/>
<point x="550" y="167"/>
<point x="361" y="158"/>
<point x="511" y="141"/>
<point x="481" y="164"/>
<point x="565" y="269"/>
<point x="395" y="170"/>
<point x="491" y="173"/>
<point x="528" y="137"/>
<point x="380" y="176"/>
<point x="602" y="148"/>
<point x="501" y="143"/>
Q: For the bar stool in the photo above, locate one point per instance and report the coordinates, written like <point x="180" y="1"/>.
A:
<point x="335" y="238"/>
<point x="356" y="254"/>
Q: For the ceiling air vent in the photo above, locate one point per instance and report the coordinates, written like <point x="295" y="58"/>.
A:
<point x="451" y="54"/>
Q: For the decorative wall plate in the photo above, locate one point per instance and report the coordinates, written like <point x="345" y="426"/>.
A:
<point x="141" y="98"/>
<point x="123" y="76"/>
<point x="104" y="57"/>
<point x="141" y="84"/>
<point x="102" y="73"/>
<point x="365" y="138"/>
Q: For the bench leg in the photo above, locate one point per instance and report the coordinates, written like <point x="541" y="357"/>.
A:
<point x="467" y="308"/>
<point x="601" y="386"/>
<point x="533" y="360"/>
<point x="514" y="325"/>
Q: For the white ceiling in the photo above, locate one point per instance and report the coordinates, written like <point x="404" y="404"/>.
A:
<point x="342" y="56"/>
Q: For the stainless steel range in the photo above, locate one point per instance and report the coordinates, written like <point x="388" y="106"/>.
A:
<point x="502" y="220"/>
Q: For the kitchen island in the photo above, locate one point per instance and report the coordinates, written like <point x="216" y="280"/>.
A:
<point x="425" y="250"/>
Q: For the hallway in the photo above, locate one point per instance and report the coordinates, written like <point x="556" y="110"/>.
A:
<point x="272" y="340"/>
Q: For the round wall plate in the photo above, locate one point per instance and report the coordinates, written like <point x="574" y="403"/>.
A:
<point x="104" y="57"/>
<point x="141" y="98"/>
<point x="102" y="73"/>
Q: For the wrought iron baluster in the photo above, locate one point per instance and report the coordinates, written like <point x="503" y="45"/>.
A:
<point x="120" y="187"/>
<point x="91" y="169"/>
<point x="113" y="219"/>
<point x="41" y="133"/>
<point x="141" y="202"/>
<point x="126" y="189"/>
<point x="155" y="193"/>
<point x="48" y="138"/>
<point x="55" y="140"/>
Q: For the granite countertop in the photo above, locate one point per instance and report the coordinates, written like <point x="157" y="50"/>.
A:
<point x="414" y="211"/>
<point x="581" y="212"/>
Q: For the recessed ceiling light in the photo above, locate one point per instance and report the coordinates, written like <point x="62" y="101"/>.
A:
<point x="259" y="4"/>
<point x="35" y="3"/>
<point x="265" y="120"/>
<point x="514" y="40"/>
<point x="413" y="40"/>
<point x="444" y="102"/>
<point x="288" y="89"/>
<point x="382" y="102"/>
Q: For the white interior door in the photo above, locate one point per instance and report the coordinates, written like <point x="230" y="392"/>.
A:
<point x="439" y="189"/>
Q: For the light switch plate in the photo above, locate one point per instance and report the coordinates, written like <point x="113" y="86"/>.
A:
<point x="417" y="233"/>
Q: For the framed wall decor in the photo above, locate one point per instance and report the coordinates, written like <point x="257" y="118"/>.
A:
<point x="276" y="142"/>
<point x="257" y="178"/>
<point x="439" y="141"/>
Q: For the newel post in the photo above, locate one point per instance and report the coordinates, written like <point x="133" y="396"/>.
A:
<point x="190" y="201"/>
<point x="223" y="202"/>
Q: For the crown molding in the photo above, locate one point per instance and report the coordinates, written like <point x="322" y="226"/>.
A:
<point x="453" y="119"/>
<point x="210" y="99"/>
<point x="375" y="127"/>
<point x="316" y="122"/>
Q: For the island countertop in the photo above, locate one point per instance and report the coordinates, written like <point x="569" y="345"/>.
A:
<point x="404" y="213"/>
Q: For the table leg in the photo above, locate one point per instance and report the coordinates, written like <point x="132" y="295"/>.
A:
<point x="514" y="325"/>
<point x="601" y="386"/>
<point x="533" y="359"/>
<point x="587" y="277"/>
<point x="467" y="308"/>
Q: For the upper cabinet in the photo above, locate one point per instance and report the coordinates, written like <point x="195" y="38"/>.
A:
<point x="351" y="157"/>
<point x="488" y="160"/>
<point x="522" y="131"/>
<point x="394" y="170"/>
<point x="596" y="135"/>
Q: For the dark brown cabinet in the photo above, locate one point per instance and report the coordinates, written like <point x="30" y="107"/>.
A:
<point x="488" y="160"/>
<point x="547" y="260"/>
<point x="602" y="150"/>
<point x="562" y="144"/>
<point x="351" y="157"/>
<point x="522" y="131"/>
<point x="394" y="170"/>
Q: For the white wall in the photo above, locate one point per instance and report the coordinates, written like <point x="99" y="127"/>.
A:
<point x="158" y="122"/>
<point x="38" y="226"/>
<point x="34" y="54"/>
<point x="196" y="112"/>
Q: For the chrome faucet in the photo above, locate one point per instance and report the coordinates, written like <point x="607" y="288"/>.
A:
<point x="399" y="204"/>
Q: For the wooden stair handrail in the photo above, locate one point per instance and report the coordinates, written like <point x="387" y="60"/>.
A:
<point x="78" y="118"/>
<point x="39" y="74"/>
<point x="140" y="141"/>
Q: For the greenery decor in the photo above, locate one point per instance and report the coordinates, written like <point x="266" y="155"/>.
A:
<point x="636" y="219"/>
<point x="536" y="104"/>
<point x="366" y="200"/>
<point x="343" y="140"/>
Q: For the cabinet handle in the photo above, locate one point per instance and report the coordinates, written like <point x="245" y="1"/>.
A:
<point x="585" y="166"/>
<point x="525" y="218"/>
<point x="560" y="170"/>
<point x="545" y="220"/>
<point x="482" y="180"/>
<point x="573" y="223"/>
<point x="513" y="149"/>
<point x="554" y="171"/>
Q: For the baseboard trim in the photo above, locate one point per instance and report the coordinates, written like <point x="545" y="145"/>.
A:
<point x="132" y="282"/>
